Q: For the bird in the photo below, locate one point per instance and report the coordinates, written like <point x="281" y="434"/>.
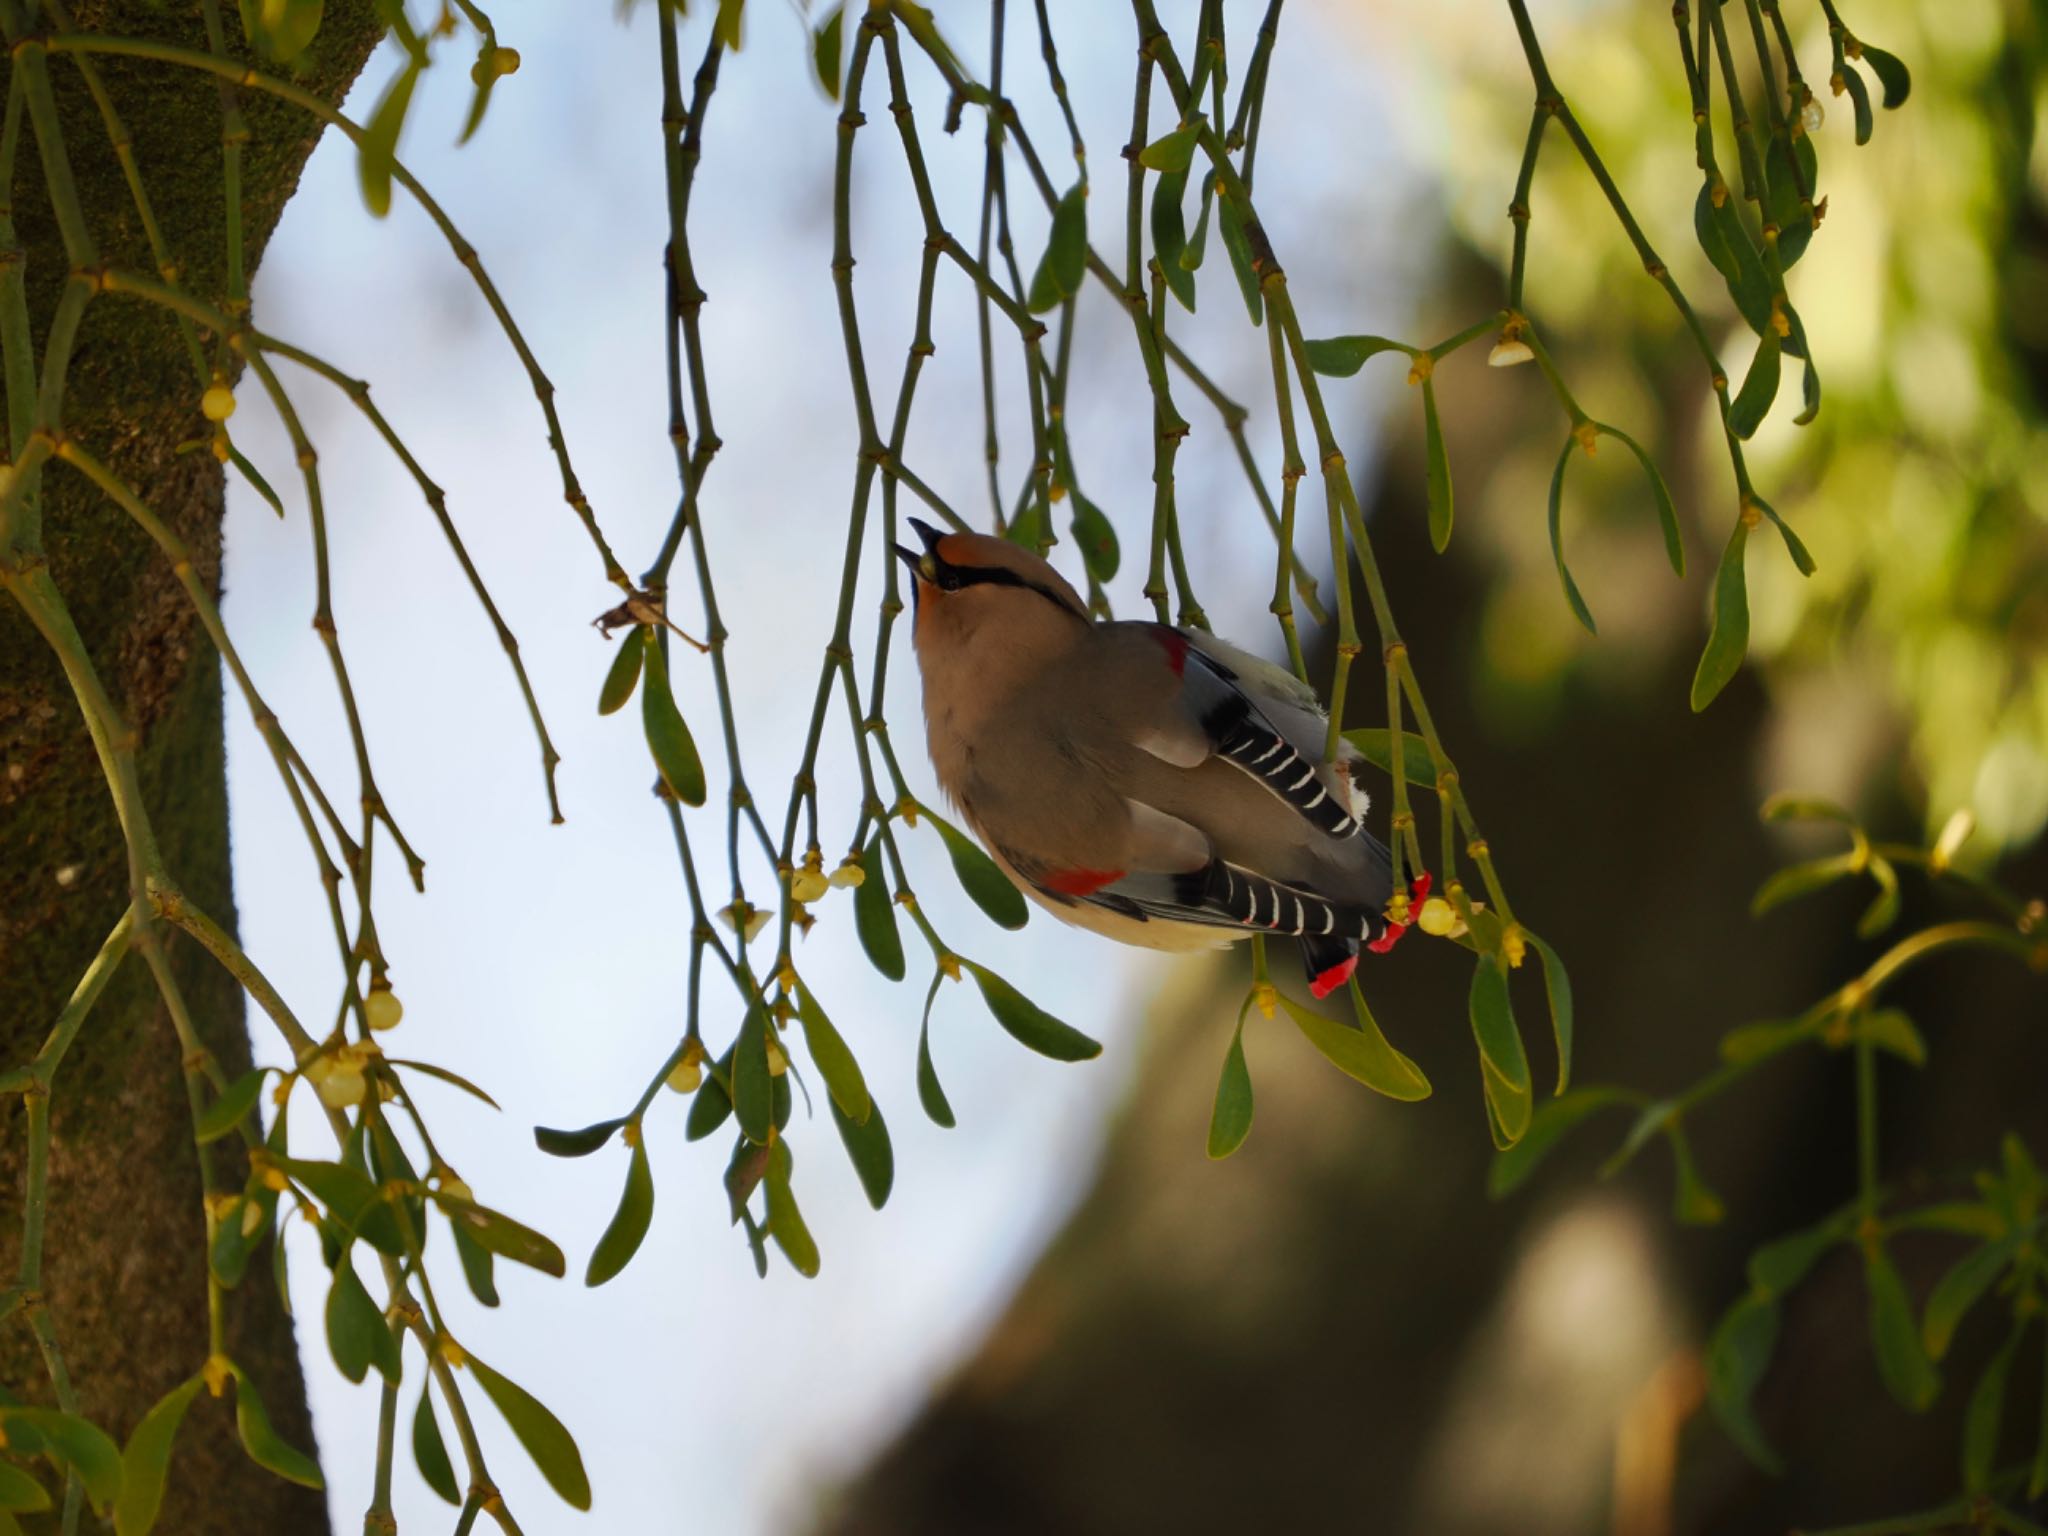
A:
<point x="1150" y="783"/>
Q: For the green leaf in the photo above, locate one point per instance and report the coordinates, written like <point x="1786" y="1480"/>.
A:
<point x="1779" y="1266"/>
<point x="1692" y="1202"/>
<point x="479" y="1269"/>
<point x="1738" y="1354"/>
<point x="226" y="1112"/>
<point x="1375" y="744"/>
<point x="1239" y="249"/>
<point x="430" y="1451"/>
<point x="1793" y="547"/>
<point x="727" y="29"/>
<point x="1890" y="1030"/>
<point x="874" y="914"/>
<point x="867" y="1147"/>
<point x="1961" y="1218"/>
<point x="550" y="1445"/>
<point x="1747" y="1043"/>
<point x="263" y="1443"/>
<point x="233" y="1242"/>
<point x="1547" y="1126"/>
<point x="785" y="1221"/>
<point x="147" y="1459"/>
<point x="255" y="478"/>
<point x="576" y="1143"/>
<point x="500" y="1234"/>
<point x="710" y="1105"/>
<point x="1503" y="1063"/>
<point x="1961" y="1289"/>
<point x="484" y="74"/>
<point x="1784" y="169"/>
<point x="623" y="676"/>
<point x="351" y="1199"/>
<point x="1061" y="268"/>
<point x="1729" y="247"/>
<point x="621" y="1240"/>
<point x="668" y="738"/>
<point x="1230" y="1121"/>
<point x="1341" y="356"/>
<point x="1564" y="575"/>
<point x="357" y="1333"/>
<point x="22" y="1494"/>
<point x="1557" y="988"/>
<point x="72" y="1442"/>
<point x="826" y="50"/>
<point x="378" y="148"/>
<point x="1896" y="79"/>
<point x="929" y="1093"/>
<point x="835" y="1063"/>
<point x="1667" y="513"/>
<point x="1169" y="236"/>
<point x="1884" y="910"/>
<point x="1363" y="1052"/>
<point x="1175" y="151"/>
<point x="1805" y="808"/>
<point x="1759" y="387"/>
<point x="752" y="1092"/>
<point x="743" y="1175"/>
<point x="454" y="1079"/>
<point x="1984" y="1417"/>
<point x="1096" y="537"/>
<point x="1439" y="471"/>
<point x="1859" y="99"/>
<point x="1651" y="1119"/>
<point x="1903" y="1363"/>
<point x="1729" y="638"/>
<point x="1191" y="254"/>
<point x="979" y="877"/>
<point x="1796" y="880"/>
<point x="1029" y="1024"/>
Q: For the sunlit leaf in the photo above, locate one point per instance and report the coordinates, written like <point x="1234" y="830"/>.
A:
<point x="835" y="1063"/>
<point x="1363" y="1052"/>
<point x="785" y="1220"/>
<point x="147" y="1459"/>
<point x="1174" y="151"/>
<point x="265" y="1447"/>
<point x="377" y="151"/>
<point x="1859" y="100"/>
<point x="1896" y="79"/>
<point x="1096" y="538"/>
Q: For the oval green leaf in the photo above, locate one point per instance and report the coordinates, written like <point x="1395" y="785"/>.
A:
<point x="1901" y="1360"/>
<point x="1340" y="357"/>
<point x="785" y="1220"/>
<point x="867" y="1147"/>
<point x="1029" y="1024"/>
<point x="979" y="877"/>
<point x="551" y="1446"/>
<point x="1095" y="535"/>
<point x="263" y="1443"/>
<point x="874" y="914"/>
<point x="1230" y="1121"/>
<point x="147" y="1459"/>
<point x="1667" y="513"/>
<point x="1738" y="1354"/>
<point x="378" y="147"/>
<point x="1504" y="1063"/>
<point x="623" y="676"/>
<point x="1892" y="74"/>
<point x="1239" y="249"/>
<point x="226" y="1112"/>
<point x="1729" y="638"/>
<point x="1961" y="1289"/>
<point x="835" y="1062"/>
<point x="430" y="1451"/>
<point x="1375" y="744"/>
<point x="1363" y="1052"/>
<point x="357" y="1334"/>
<point x="622" y="1238"/>
<point x="1557" y="988"/>
<point x="752" y="1091"/>
<point x="500" y="1234"/>
<point x="929" y="1093"/>
<point x="21" y="1494"/>
<point x="76" y="1443"/>
<point x="1759" y="387"/>
<point x="668" y="738"/>
<point x="1175" y="151"/>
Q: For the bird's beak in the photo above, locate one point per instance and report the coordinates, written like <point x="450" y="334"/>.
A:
<point x="909" y="557"/>
<point x="926" y="532"/>
<point x="923" y="566"/>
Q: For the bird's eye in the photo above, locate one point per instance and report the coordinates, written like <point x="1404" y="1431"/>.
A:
<point x="949" y="578"/>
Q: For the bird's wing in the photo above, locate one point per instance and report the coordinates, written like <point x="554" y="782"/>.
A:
<point x="1259" y="719"/>
<point x="1173" y="874"/>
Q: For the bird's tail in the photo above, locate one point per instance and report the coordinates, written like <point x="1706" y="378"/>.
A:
<point x="1331" y="959"/>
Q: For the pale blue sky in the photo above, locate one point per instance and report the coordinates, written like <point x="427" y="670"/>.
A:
<point x="549" y="962"/>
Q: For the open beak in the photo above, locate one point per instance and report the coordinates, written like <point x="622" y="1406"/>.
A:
<point x="921" y="564"/>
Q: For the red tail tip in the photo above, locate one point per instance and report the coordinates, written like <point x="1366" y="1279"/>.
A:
<point x="1329" y="981"/>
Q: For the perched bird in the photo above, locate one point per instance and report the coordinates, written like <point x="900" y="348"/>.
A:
<point x="1149" y="783"/>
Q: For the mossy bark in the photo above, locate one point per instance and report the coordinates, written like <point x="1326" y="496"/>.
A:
<point x="124" y="1266"/>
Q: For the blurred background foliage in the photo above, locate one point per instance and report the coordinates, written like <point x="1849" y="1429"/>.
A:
<point x="1324" y="1332"/>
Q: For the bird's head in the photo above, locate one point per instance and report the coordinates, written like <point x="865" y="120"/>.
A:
<point x="967" y="580"/>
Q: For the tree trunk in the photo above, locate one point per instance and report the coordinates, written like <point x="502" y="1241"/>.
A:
<point x="124" y="1266"/>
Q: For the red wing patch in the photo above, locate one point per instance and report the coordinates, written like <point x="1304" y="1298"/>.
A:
<point x="1175" y="644"/>
<point x="1079" y="882"/>
<point x="1329" y="981"/>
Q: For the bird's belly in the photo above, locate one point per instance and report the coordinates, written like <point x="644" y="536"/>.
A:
<point x="1150" y="933"/>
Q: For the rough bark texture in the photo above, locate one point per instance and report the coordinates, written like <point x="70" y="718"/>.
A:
<point x="124" y="1265"/>
<point x="1335" y="1330"/>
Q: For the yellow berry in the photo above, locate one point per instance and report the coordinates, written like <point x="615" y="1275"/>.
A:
<point x="382" y="1008"/>
<point x="1508" y="351"/>
<point x="808" y="885"/>
<point x="687" y="1076"/>
<point x="1437" y="917"/>
<point x="506" y="61"/>
<point x="849" y="873"/>
<point x="218" y="403"/>
<point x="341" y="1086"/>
